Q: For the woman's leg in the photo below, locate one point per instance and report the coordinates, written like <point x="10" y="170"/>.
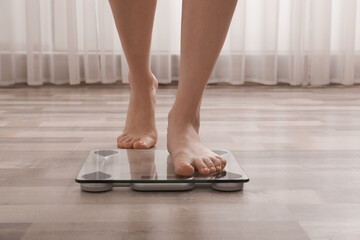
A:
<point x="134" y="22"/>
<point x="204" y="27"/>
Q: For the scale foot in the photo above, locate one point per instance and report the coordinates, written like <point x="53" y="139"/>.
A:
<point x="96" y="187"/>
<point x="147" y="187"/>
<point x="227" y="187"/>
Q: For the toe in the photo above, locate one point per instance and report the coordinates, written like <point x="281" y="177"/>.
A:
<point x="201" y="166"/>
<point x="222" y="160"/>
<point x="144" y="142"/>
<point x="120" y="138"/>
<point x="141" y="145"/>
<point x="120" y="144"/>
<point x="209" y="164"/>
<point x="124" y="141"/>
<point x="183" y="168"/>
<point x="217" y="163"/>
<point x="120" y="141"/>
<point x="130" y="144"/>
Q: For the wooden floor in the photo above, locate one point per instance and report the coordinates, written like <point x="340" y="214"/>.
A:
<point x="299" y="146"/>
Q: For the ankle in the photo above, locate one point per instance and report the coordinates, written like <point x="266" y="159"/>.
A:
<point x="144" y="80"/>
<point x="180" y="118"/>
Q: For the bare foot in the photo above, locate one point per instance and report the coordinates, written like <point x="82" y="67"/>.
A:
<point x="140" y="129"/>
<point x="187" y="151"/>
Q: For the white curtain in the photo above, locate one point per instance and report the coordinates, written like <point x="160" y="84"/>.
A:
<point x="298" y="42"/>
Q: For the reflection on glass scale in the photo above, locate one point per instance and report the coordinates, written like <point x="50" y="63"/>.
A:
<point x="152" y="170"/>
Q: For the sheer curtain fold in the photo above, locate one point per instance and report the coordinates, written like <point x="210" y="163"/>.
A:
<point x="345" y="64"/>
<point x="319" y="42"/>
<point x="34" y="43"/>
<point x="297" y="67"/>
<point x="72" y="43"/>
<point x="269" y="42"/>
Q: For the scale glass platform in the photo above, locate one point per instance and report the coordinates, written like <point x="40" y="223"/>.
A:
<point x="152" y="170"/>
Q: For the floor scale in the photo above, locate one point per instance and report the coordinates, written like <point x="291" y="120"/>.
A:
<point x="152" y="170"/>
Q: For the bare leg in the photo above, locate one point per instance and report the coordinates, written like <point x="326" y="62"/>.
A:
<point x="204" y="27"/>
<point x="134" y="22"/>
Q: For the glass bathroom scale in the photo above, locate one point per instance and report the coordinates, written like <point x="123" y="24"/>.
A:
<point x="152" y="170"/>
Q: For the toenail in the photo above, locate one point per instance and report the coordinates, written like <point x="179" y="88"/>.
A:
<point x="206" y="169"/>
